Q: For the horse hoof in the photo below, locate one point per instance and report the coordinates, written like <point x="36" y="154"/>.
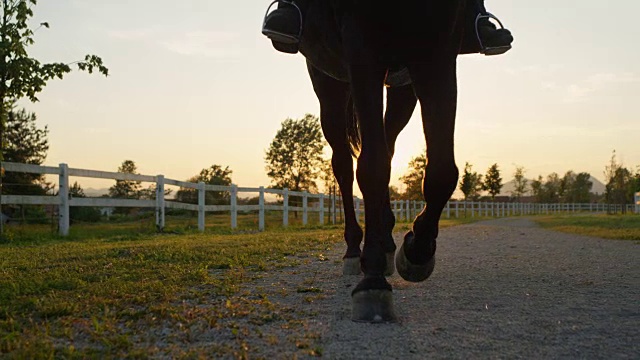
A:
<point x="373" y="306"/>
<point x="391" y="266"/>
<point x="351" y="266"/>
<point x="412" y="272"/>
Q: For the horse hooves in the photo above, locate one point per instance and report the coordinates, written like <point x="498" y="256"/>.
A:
<point x="413" y="272"/>
<point x="373" y="306"/>
<point x="391" y="266"/>
<point x="351" y="266"/>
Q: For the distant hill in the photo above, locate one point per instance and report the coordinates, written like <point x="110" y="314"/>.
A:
<point x="508" y="187"/>
<point x="91" y="192"/>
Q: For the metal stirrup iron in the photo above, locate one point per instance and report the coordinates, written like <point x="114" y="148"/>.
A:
<point x="279" y="36"/>
<point x="492" y="50"/>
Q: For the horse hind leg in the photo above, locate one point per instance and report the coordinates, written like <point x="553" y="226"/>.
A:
<point x="436" y="89"/>
<point x="335" y="112"/>
<point x="401" y="103"/>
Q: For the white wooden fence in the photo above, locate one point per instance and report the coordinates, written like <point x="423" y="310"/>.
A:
<point x="636" y="201"/>
<point x="404" y="210"/>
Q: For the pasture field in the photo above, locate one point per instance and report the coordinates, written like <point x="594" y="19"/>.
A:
<point x="620" y="227"/>
<point x="93" y="294"/>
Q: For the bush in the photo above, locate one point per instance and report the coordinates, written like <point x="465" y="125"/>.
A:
<point x="85" y="214"/>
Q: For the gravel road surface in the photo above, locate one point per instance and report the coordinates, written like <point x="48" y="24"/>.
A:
<point x="501" y="289"/>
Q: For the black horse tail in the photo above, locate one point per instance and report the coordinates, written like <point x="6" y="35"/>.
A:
<point x="353" y="129"/>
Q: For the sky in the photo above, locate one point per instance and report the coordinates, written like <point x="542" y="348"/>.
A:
<point x="194" y="83"/>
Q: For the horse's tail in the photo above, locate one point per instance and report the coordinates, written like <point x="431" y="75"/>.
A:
<point x="353" y="129"/>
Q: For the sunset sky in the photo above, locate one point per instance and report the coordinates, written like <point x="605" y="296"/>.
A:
<point x="194" y="83"/>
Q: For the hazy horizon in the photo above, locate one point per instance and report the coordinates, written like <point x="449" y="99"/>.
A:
<point x="195" y="84"/>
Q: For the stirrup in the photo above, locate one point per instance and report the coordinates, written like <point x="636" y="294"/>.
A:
<point x="490" y="50"/>
<point x="276" y="35"/>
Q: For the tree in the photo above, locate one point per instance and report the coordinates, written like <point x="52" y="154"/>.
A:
<point x="520" y="183"/>
<point x="394" y="194"/>
<point x="536" y="189"/>
<point x="492" y="181"/>
<point x="126" y="189"/>
<point x="28" y="144"/>
<point x="620" y="183"/>
<point x="76" y="191"/>
<point x="20" y="75"/>
<point x="294" y="157"/>
<point x="213" y="175"/>
<point x="551" y="188"/>
<point x="82" y="214"/>
<point x="327" y="177"/>
<point x="566" y="185"/>
<point x="413" y="178"/>
<point x="471" y="183"/>
<point x="580" y="191"/>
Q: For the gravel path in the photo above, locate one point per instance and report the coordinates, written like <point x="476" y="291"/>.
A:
<point x="501" y="289"/>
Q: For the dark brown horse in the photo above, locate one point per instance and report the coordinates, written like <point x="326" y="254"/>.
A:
<point x="350" y="46"/>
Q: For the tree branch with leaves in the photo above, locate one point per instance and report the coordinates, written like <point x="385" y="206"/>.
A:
<point x="22" y="76"/>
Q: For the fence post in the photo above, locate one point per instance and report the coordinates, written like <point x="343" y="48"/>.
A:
<point x="357" y="205"/>
<point x="449" y="209"/>
<point x="201" y="203"/>
<point x="261" y="209"/>
<point x="234" y="206"/>
<point x="285" y="207"/>
<point x="321" y="209"/>
<point x="160" y="203"/>
<point x="304" y="207"/>
<point x="63" y="194"/>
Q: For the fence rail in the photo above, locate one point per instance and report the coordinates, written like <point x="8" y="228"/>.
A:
<point x="404" y="210"/>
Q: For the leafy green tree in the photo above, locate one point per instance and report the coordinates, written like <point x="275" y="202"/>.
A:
<point x="21" y="75"/>
<point x="580" y="191"/>
<point x="621" y="183"/>
<point x="28" y="144"/>
<point x="294" y="158"/>
<point x="471" y="183"/>
<point x="213" y="175"/>
<point x="566" y="186"/>
<point x="571" y="188"/>
<point x="492" y="181"/>
<point x="150" y="192"/>
<point x="76" y="191"/>
<point x="126" y="189"/>
<point x="536" y="189"/>
<point x="413" y="178"/>
<point x="394" y="194"/>
<point x="551" y="188"/>
<point x="520" y="183"/>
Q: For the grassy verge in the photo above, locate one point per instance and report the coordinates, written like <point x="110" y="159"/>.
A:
<point x="621" y="227"/>
<point x="97" y="293"/>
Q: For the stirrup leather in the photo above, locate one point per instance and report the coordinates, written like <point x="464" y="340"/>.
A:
<point x="276" y="35"/>
<point x="490" y="50"/>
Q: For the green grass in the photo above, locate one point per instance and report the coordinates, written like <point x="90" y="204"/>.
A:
<point x="89" y="295"/>
<point x="621" y="227"/>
